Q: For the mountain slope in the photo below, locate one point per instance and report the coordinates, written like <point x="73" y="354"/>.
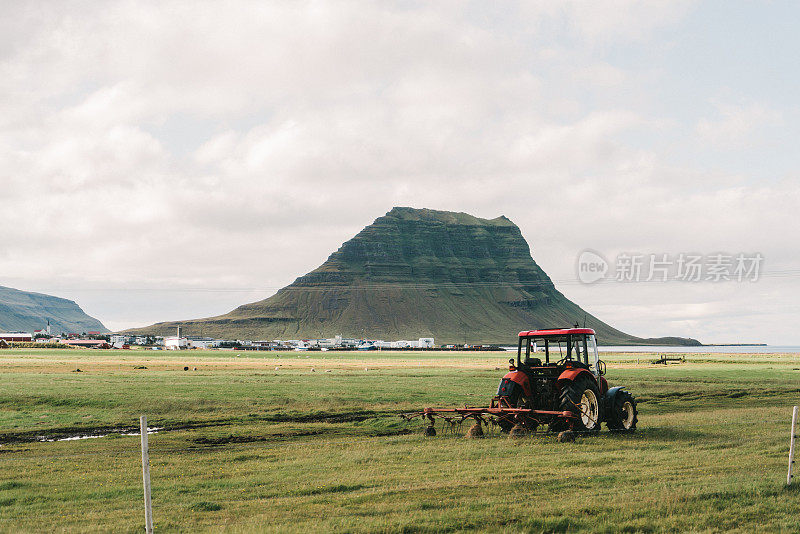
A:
<point x="414" y="273"/>
<point x="26" y="312"/>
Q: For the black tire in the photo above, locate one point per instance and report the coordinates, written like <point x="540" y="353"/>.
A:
<point x="505" y="424"/>
<point x="622" y="414"/>
<point x="582" y="398"/>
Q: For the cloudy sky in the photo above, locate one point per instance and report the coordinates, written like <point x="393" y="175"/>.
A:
<point x="170" y="160"/>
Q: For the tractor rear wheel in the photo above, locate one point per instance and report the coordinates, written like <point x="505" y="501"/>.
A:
<point x="582" y="398"/>
<point x="622" y="414"/>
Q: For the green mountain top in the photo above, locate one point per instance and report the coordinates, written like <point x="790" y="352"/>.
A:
<point x="415" y="273"/>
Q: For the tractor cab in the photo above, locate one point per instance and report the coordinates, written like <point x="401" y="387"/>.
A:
<point x="550" y="351"/>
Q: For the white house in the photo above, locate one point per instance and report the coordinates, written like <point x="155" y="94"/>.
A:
<point x="426" y="342"/>
<point x="176" y="343"/>
<point x="117" y="339"/>
<point x="204" y="342"/>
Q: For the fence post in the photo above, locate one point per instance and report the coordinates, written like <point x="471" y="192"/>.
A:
<point x="791" y="447"/>
<point x="148" y="510"/>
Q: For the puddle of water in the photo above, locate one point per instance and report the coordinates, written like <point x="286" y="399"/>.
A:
<point x="150" y="430"/>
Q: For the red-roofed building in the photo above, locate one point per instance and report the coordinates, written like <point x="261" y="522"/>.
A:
<point x="16" y="337"/>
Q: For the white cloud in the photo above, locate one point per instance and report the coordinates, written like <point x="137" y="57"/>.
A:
<point x="736" y="126"/>
<point x="171" y="145"/>
<point x="609" y="21"/>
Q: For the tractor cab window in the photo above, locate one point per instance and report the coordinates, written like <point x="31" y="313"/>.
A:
<point x="545" y="351"/>
<point x="579" y="349"/>
<point x="558" y="349"/>
<point x="575" y="348"/>
<point x="533" y="352"/>
<point x="571" y="348"/>
<point x="597" y="366"/>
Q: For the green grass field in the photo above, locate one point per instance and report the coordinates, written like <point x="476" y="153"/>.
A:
<point x="246" y="447"/>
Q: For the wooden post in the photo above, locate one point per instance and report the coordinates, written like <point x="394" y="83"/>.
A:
<point x="791" y="447"/>
<point x="148" y="510"/>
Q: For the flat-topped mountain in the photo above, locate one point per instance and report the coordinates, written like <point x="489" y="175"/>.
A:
<point x="27" y="312"/>
<point x="415" y="273"/>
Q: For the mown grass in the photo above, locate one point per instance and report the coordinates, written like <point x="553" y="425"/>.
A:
<point x="295" y="450"/>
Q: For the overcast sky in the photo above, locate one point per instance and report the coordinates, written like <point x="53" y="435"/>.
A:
<point x="172" y="160"/>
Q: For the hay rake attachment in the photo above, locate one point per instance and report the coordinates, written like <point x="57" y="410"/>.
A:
<point x="489" y="417"/>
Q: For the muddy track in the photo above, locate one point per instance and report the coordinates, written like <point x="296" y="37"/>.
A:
<point x="225" y="440"/>
<point x="707" y="395"/>
<point x="62" y="432"/>
<point x="171" y="426"/>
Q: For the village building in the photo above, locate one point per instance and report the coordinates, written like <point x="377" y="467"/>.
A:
<point x="16" y="337"/>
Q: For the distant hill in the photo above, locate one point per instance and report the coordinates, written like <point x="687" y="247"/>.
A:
<point x="415" y="273"/>
<point x="26" y="312"/>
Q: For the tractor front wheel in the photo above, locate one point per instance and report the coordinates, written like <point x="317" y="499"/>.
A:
<point x="582" y="398"/>
<point x="622" y="414"/>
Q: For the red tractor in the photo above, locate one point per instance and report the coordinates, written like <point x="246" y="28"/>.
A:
<point x="557" y="379"/>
